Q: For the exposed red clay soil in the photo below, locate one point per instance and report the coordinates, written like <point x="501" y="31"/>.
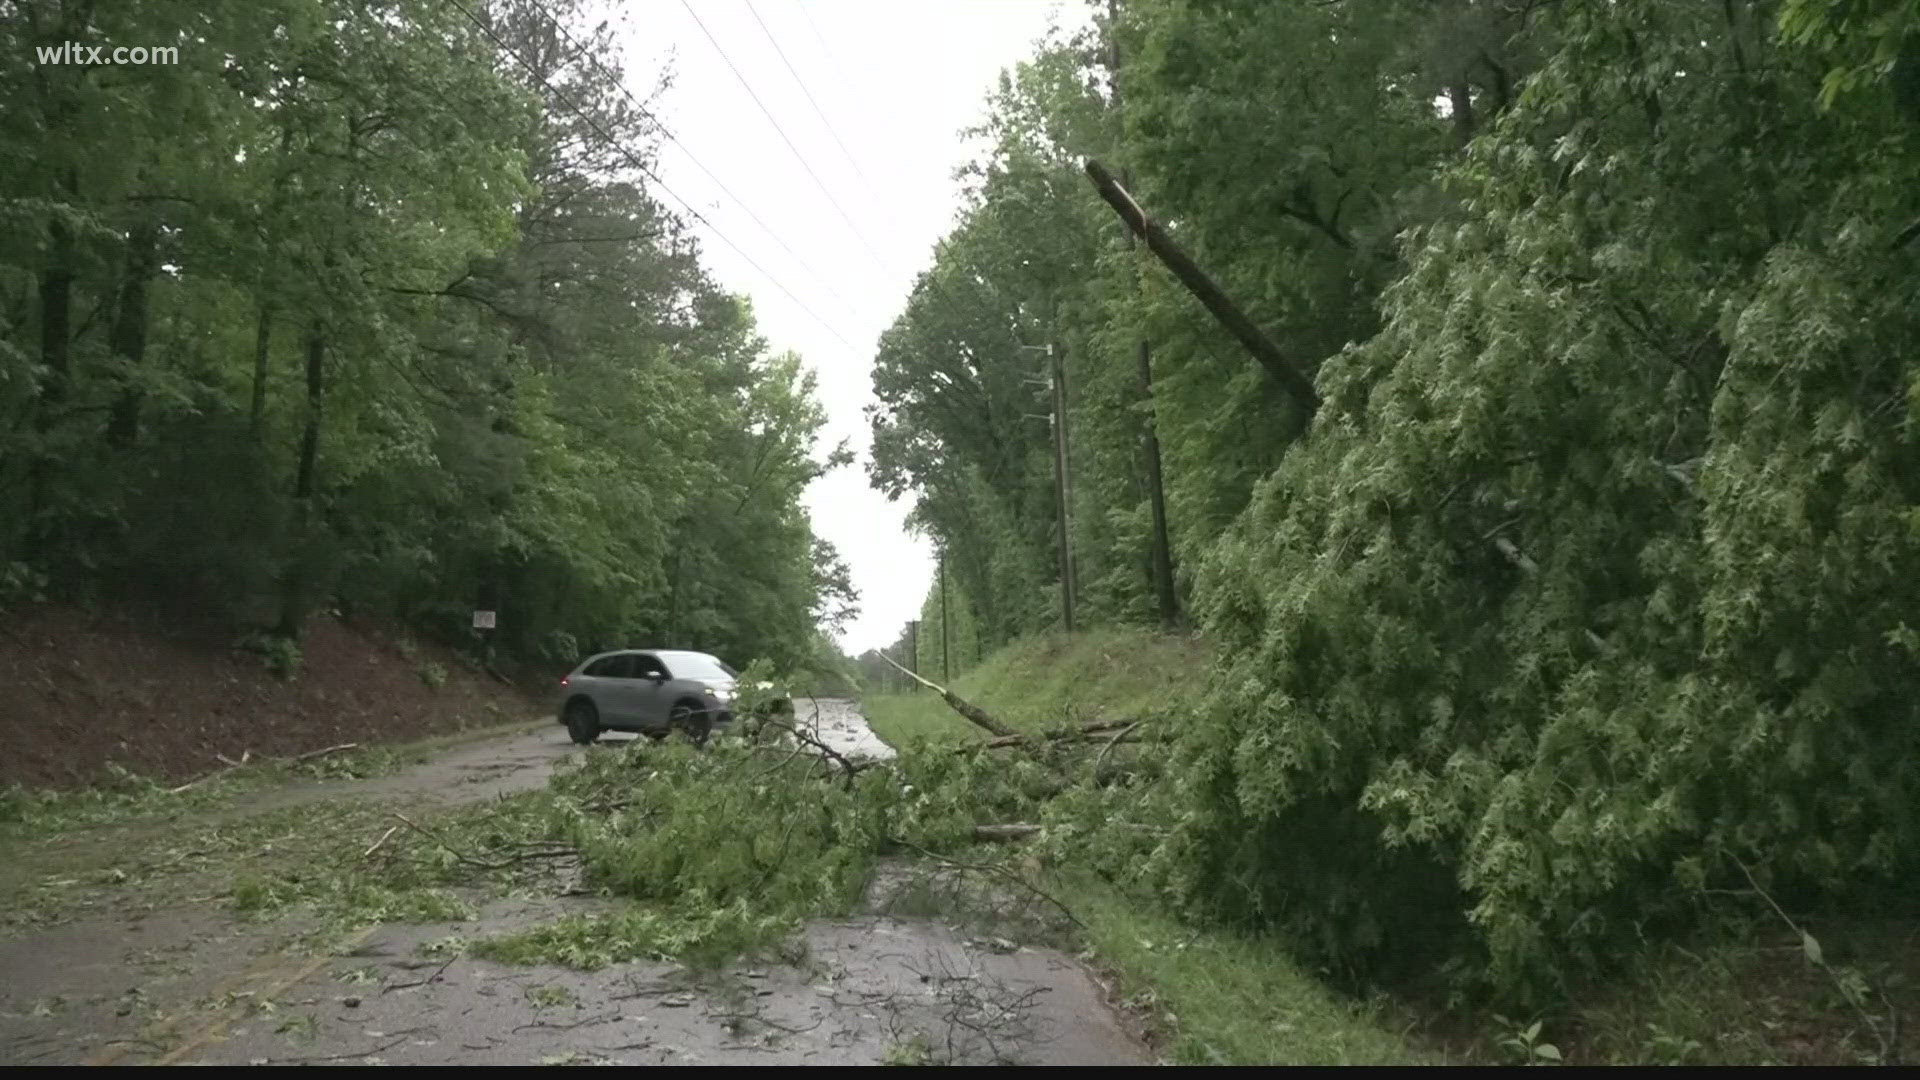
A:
<point x="82" y="689"/>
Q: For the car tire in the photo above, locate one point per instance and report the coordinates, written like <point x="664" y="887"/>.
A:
<point x="583" y="721"/>
<point x="695" y="724"/>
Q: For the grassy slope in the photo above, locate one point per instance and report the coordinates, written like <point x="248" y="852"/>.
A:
<point x="1049" y="680"/>
<point x="1213" y="997"/>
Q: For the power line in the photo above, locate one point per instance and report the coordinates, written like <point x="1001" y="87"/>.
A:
<point x="826" y="281"/>
<point x="878" y="261"/>
<point x="641" y="165"/>
<point x="817" y="111"/>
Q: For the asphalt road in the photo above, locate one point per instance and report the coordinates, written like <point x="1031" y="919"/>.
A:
<point x="188" y="982"/>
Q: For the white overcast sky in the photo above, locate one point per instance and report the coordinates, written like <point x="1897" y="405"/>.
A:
<point x="897" y="80"/>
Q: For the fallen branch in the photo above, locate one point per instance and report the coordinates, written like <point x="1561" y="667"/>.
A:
<point x="1002" y="833"/>
<point x="1118" y="737"/>
<point x="1810" y="948"/>
<point x="311" y="754"/>
<point x="978" y="716"/>
<point x="1084" y="731"/>
<point x="806" y="738"/>
<point x="246" y="756"/>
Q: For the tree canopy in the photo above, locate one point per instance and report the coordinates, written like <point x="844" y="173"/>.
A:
<point x="1592" y="585"/>
<point x="370" y="305"/>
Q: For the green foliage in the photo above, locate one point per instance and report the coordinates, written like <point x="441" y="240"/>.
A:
<point x="281" y="655"/>
<point x="1522" y="1043"/>
<point x="348" y="309"/>
<point x="1593" y="581"/>
<point x="693" y="833"/>
<point x="1586" y="583"/>
<point x="706" y="935"/>
<point x="434" y="674"/>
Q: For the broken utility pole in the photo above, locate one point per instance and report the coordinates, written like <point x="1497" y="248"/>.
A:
<point x="1216" y="301"/>
<point x="1162" y="547"/>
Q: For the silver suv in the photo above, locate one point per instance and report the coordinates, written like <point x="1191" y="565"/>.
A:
<point x="652" y="691"/>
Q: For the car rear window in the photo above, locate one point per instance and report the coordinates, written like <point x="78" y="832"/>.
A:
<point x="693" y="665"/>
<point x="609" y="667"/>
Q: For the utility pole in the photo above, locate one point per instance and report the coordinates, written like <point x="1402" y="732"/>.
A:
<point x="1150" y="435"/>
<point x="913" y="649"/>
<point x="1056" y="381"/>
<point x="1062" y="484"/>
<point x="946" y="673"/>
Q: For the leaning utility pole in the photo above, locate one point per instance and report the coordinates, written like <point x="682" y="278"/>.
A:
<point x="1150" y="435"/>
<point x="1062" y="485"/>
<point x="913" y="649"/>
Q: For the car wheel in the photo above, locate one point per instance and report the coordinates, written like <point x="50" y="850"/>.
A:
<point x="691" y="722"/>
<point x="583" y="721"/>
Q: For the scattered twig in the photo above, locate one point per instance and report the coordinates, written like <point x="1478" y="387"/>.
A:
<point x="398" y="1038"/>
<point x="995" y="868"/>
<point x="437" y="972"/>
<point x="600" y="1019"/>
<point x="383" y="839"/>
<point x="549" y="852"/>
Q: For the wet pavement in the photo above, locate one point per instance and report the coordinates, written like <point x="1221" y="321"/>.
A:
<point x="193" y="983"/>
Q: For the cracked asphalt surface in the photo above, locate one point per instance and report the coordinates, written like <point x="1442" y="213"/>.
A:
<point x="191" y="983"/>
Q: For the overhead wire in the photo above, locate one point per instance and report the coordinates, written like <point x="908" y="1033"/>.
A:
<point x="825" y="281"/>
<point x="784" y="137"/>
<point x="808" y="93"/>
<point x="641" y="165"/>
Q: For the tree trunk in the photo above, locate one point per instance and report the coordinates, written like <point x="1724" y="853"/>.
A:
<point x="299" y="573"/>
<point x="129" y="335"/>
<point x="262" y="348"/>
<point x="1460" y="103"/>
<point x="56" y="356"/>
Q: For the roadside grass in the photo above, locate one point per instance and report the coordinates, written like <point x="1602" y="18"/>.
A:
<point x="1218" y="998"/>
<point x="1053" y="680"/>
<point x="1745" y="992"/>
<point x="47" y="818"/>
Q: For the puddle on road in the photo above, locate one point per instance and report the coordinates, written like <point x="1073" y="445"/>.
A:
<point x="838" y="723"/>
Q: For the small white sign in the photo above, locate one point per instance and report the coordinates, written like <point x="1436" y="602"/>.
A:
<point x="483" y="620"/>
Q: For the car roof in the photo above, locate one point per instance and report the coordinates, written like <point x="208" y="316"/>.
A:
<point x="654" y="652"/>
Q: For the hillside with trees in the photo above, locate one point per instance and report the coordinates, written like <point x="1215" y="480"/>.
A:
<point x="1558" y="546"/>
<point x="372" y="308"/>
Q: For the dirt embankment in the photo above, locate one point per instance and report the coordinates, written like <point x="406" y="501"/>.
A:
<point x="80" y="690"/>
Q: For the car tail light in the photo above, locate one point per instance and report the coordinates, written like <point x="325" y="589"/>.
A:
<point x="564" y="680"/>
